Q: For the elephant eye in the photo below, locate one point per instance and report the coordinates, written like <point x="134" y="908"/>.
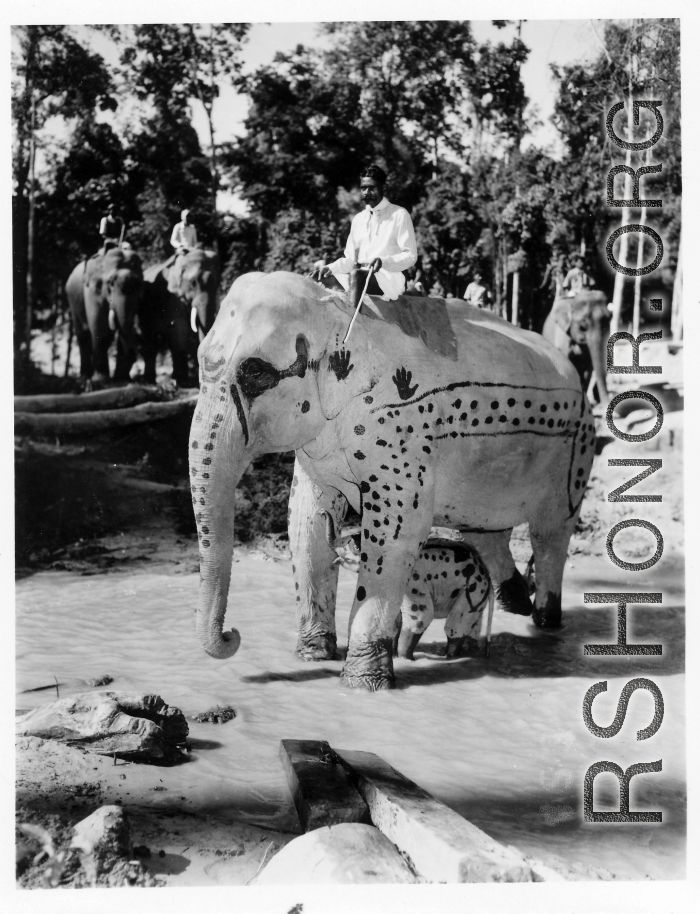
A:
<point x="255" y="376"/>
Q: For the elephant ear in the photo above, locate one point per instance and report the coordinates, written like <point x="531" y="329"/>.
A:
<point x="346" y="372"/>
<point x="563" y="313"/>
<point x="173" y="277"/>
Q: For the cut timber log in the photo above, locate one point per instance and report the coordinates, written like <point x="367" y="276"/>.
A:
<point x="323" y="794"/>
<point x="439" y="844"/>
<point x="82" y="423"/>
<point x="116" y="398"/>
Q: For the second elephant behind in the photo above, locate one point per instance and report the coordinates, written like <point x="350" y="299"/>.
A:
<point x="179" y="308"/>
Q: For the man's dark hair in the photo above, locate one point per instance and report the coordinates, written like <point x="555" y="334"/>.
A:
<point x="376" y="172"/>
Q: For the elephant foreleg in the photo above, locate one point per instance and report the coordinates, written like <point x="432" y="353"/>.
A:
<point x="85" y="347"/>
<point x="390" y="547"/>
<point x="314" y="564"/>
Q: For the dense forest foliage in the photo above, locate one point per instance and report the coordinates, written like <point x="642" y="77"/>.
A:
<point x="444" y="114"/>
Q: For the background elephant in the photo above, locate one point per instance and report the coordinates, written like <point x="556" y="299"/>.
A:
<point x="180" y="305"/>
<point x="579" y="327"/>
<point x="452" y="418"/>
<point x="105" y="294"/>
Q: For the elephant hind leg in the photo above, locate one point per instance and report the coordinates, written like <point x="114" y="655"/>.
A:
<point x="550" y="547"/>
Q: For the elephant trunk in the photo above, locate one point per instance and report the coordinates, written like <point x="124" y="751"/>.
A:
<point x="217" y="463"/>
<point x="597" y="345"/>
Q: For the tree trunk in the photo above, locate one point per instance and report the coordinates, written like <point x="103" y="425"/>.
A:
<point x="516" y="297"/>
<point x="31" y="237"/>
<point x="638" y="279"/>
<point x="82" y="423"/>
<point x="626" y="219"/>
<point x="677" y="304"/>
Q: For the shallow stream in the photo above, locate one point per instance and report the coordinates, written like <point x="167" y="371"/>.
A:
<point x="500" y="741"/>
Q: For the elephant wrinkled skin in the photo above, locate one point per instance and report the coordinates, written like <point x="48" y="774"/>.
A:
<point x="105" y="294"/>
<point x="579" y="327"/>
<point x="180" y="305"/>
<point x="496" y="435"/>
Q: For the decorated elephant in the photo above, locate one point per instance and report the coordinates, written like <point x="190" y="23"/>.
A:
<point x="449" y="581"/>
<point x="579" y="327"/>
<point x="105" y="293"/>
<point x="433" y="412"/>
<point x="180" y="305"/>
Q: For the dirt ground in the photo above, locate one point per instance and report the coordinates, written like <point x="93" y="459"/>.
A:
<point x="121" y="504"/>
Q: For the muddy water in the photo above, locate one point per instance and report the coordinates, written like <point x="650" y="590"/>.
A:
<point x="502" y="742"/>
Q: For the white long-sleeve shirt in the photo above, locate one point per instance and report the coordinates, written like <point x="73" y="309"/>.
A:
<point x="384" y="231"/>
<point x="184" y="236"/>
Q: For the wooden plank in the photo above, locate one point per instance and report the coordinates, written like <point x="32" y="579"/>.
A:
<point x="100" y="420"/>
<point x="439" y="844"/>
<point x="323" y="794"/>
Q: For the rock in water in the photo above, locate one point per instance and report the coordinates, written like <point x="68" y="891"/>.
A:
<point x="126" y="724"/>
<point x="340" y="855"/>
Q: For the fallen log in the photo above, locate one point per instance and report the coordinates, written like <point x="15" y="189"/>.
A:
<point x="115" y="398"/>
<point x="440" y="845"/>
<point x="322" y="792"/>
<point x="82" y="423"/>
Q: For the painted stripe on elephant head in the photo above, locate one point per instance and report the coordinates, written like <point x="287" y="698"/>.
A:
<point x="255" y="376"/>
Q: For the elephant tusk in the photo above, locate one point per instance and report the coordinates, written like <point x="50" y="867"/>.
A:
<point x="193" y="319"/>
<point x="112" y="320"/>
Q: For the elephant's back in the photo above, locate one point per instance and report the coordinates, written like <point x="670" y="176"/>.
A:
<point x="502" y="352"/>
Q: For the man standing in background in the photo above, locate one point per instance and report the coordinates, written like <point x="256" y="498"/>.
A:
<point x="476" y="293"/>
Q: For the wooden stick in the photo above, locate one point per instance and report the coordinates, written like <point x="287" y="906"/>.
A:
<point x="357" y="309"/>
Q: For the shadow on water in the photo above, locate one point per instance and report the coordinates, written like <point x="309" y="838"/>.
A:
<point x="202" y="744"/>
<point x="560" y="653"/>
<point x="305" y="675"/>
<point x="167" y="865"/>
<point x="550" y="817"/>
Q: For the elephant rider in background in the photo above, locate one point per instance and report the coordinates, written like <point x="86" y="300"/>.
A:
<point x="577" y="280"/>
<point x="476" y="292"/>
<point x="183" y="239"/>
<point x="111" y="229"/>
<point x="381" y="237"/>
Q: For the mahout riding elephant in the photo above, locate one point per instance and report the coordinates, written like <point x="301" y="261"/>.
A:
<point x="433" y="412"/>
<point x="180" y="305"/>
<point x="449" y="581"/>
<point x="579" y="327"/>
<point x="105" y="293"/>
